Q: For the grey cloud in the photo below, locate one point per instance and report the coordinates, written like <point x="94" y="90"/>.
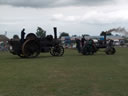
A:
<point x="28" y="3"/>
<point x="93" y="2"/>
<point x="53" y="3"/>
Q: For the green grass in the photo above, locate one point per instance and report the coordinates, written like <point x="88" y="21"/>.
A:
<point x="70" y="75"/>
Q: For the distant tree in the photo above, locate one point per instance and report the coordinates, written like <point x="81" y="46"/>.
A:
<point x="63" y="34"/>
<point x="40" y="32"/>
<point x="103" y="33"/>
<point x="16" y="37"/>
<point x="74" y="36"/>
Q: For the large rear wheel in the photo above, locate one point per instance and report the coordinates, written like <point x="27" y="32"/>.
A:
<point x="31" y="48"/>
<point x="88" y="50"/>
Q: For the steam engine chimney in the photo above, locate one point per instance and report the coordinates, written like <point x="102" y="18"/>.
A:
<point x="55" y="32"/>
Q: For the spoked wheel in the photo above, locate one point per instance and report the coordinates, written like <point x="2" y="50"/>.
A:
<point x="57" y="50"/>
<point x="87" y="50"/>
<point x="31" y="48"/>
<point x="110" y="51"/>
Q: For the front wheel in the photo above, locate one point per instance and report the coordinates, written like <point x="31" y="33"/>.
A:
<point x="57" y="50"/>
<point x="110" y="51"/>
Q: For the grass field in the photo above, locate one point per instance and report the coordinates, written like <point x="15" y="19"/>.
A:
<point x="69" y="75"/>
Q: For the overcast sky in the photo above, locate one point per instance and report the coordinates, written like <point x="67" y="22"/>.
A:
<point x="72" y="16"/>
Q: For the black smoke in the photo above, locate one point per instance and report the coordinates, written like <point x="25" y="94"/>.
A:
<point x="118" y="30"/>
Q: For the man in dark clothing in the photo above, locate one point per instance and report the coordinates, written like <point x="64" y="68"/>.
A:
<point x="83" y="41"/>
<point x="78" y="45"/>
<point x="22" y="36"/>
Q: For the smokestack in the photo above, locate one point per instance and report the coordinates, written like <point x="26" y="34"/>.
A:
<point x="55" y="32"/>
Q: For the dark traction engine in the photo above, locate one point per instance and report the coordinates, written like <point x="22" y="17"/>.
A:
<point x="32" y="46"/>
<point x="90" y="47"/>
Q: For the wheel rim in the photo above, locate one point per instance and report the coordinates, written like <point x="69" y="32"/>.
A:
<point x="57" y="51"/>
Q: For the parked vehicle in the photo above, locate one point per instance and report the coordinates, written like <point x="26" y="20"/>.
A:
<point x="32" y="46"/>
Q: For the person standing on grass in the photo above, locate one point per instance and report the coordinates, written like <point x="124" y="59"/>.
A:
<point x="83" y="41"/>
<point x="22" y="36"/>
<point x="78" y="45"/>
